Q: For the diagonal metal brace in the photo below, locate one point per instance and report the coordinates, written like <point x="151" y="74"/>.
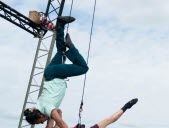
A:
<point x="20" y="20"/>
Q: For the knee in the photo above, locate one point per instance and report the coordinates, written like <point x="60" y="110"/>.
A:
<point x="85" y="69"/>
<point x="46" y="74"/>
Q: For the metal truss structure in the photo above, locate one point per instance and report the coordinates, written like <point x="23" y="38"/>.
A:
<point x="19" y="20"/>
<point x="43" y="52"/>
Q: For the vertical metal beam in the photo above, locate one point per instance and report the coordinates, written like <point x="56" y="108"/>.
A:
<point x="30" y="80"/>
<point x="61" y="7"/>
<point x="54" y="37"/>
<point x="47" y="9"/>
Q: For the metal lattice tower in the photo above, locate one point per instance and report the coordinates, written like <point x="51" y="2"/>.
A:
<point x="43" y="52"/>
<point x="36" y="77"/>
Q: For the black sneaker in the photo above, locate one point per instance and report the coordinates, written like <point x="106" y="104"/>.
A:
<point x="65" y="20"/>
<point x="132" y="102"/>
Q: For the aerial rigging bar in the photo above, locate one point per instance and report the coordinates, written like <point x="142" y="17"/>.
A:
<point x="20" y="20"/>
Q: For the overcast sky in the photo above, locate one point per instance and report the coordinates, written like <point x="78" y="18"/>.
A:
<point x="129" y="58"/>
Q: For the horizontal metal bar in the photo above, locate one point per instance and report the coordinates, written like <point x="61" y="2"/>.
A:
<point x="35" y="34"/>
<point x="43" y="50"/>
<point x="19" y="14"/>
<point x="26" y="125"/>
<point x="47" y="37"/>
<point x="39" y="68"/>
<point x="31" y="102"/>
<point x="37" y="73"/>
<point x="43" y="55"/>
<point x="35" y="85"/>
<point x="20" y="20"/>
<point x="34" y="91"/>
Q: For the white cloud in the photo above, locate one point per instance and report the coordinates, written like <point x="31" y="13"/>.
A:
<point x="131" y="13"/>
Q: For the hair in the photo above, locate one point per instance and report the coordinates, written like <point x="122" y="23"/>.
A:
<point x="31" y="117"/>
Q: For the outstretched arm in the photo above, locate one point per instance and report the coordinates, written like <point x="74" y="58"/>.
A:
<point x="60" y="113"/>
<point x="50" y="123"/>
<point x="117" y="115"/>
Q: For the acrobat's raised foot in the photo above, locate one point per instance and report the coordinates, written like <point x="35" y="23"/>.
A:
<point x="63" y="20"/>
<point x="129" y="104"/>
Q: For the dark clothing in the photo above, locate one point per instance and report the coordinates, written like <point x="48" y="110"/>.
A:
<point x="95" y="126"/>
<point x="58" y="70"/>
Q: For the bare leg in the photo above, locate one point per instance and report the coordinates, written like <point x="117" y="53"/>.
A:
<point x="111" y="119"/>
<point x="104" y="123"/>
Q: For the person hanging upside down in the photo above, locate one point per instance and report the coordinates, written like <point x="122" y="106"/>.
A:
<point x="107" y="121"/>
<point x="54" y="86"/>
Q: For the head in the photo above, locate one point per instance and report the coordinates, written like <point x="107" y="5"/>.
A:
<point x="34" y="116"/>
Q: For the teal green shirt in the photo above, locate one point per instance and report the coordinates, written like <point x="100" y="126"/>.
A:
<point x="52" y="95"/>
